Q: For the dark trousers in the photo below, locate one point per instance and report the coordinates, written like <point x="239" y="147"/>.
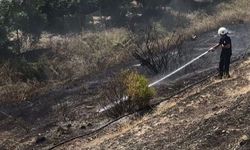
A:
<point x="224" y="63"/>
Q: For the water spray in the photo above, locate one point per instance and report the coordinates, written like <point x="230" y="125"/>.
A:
<point x="182" y="67"/>
<point x="125" y="98"/>
<point x="177" y="70"/>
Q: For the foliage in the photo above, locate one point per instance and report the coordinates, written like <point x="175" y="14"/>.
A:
<point x="31" y="18"/>
<point x="16" y="16"/>
<point x="137" y="90"/>
<point x="127" y="92"/>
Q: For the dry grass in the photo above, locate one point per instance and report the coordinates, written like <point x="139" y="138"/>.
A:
<point x="12" y="86"/>
<point x="71" y="56"/>
<point x="18" y="92"/>
<point x="124" y="128"/>
<point x="89" y="52"/>
<point x="198" y="22"/>
<point x="226" y="13"/>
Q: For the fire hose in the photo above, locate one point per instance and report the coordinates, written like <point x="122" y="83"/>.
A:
<point x="179" y="69"/>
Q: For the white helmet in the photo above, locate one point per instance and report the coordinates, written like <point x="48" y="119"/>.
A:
<point x="222" y="31"/>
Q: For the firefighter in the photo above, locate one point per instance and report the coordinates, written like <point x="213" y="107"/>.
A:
<point x="225" y="56"/>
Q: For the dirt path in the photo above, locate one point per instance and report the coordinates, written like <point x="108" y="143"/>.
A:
<point x="213" y="115"/>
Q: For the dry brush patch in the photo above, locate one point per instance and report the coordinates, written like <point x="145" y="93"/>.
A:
<point x="157" y="51"/>
<point x="20" y="80"/>
<point x="225" y="13"/>
<point x="89" y="51"/>
<point x="63" y="57"/>
<point x="18" y="92"/>
<point x="200" y="21"/>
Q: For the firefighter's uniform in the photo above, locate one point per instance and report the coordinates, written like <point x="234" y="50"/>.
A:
<point x="225" y="56"/>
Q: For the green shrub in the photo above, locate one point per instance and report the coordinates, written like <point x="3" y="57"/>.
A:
<point x="137" y="90"/>
<point x="126" y="92"/>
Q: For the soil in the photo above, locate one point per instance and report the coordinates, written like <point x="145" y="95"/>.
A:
<point x="212" y="115"/>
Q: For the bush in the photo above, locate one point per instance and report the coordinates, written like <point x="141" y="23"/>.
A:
<point x="88" y="52"/>
<point x="137" y="90"/>
<point x="158" y="52"/>
<point x="125" y="93"/>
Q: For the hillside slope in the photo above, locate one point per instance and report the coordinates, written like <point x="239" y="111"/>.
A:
<point x="212" y="115"/>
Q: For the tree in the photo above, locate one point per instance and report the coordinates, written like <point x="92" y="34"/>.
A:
<point x="116" y="9"/>
<point x="57" y="10"/>
<point x="152" y="7"/>
<point x="24" y="16"/>
<point x="5" y="27"/>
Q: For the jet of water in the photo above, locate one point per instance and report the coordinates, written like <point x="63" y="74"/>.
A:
<point x="125" y="98"/>
<point x="177" y="70"/>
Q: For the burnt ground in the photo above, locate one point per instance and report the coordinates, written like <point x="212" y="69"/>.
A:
<point x="68" y="109"/>
<point x="212" y="115"/>
<point x="63" y="112"/>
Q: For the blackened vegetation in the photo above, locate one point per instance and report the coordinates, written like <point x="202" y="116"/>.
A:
<point x="158" y="53"/>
